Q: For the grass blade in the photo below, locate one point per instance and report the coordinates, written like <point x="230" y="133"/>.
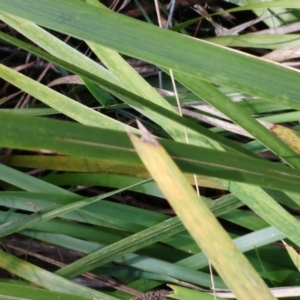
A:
<point x="195" y="216"/>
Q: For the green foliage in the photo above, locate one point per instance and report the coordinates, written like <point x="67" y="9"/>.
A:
<point x="92" y="148"/>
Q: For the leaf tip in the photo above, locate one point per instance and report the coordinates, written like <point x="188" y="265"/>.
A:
<point x="147" y="137"/>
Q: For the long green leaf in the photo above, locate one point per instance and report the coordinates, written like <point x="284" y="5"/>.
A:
<point x="27" y="182"/>
<point x="47" y="279"/>
<point x="108" y="145"/>
<point x="87" y="116"/>
<point x="131" y="244"/>
<point x="136" y="261"/>
<point x="19" y="292"/>
<point x="205" y="60"/>
<point x="50" y="213"/>
<point x="236" y="114"/>
<point x="268" y="41"/>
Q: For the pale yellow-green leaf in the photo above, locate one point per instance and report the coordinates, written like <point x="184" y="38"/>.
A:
<point x="230" y="264"/>
<point x="293" y="255"/>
